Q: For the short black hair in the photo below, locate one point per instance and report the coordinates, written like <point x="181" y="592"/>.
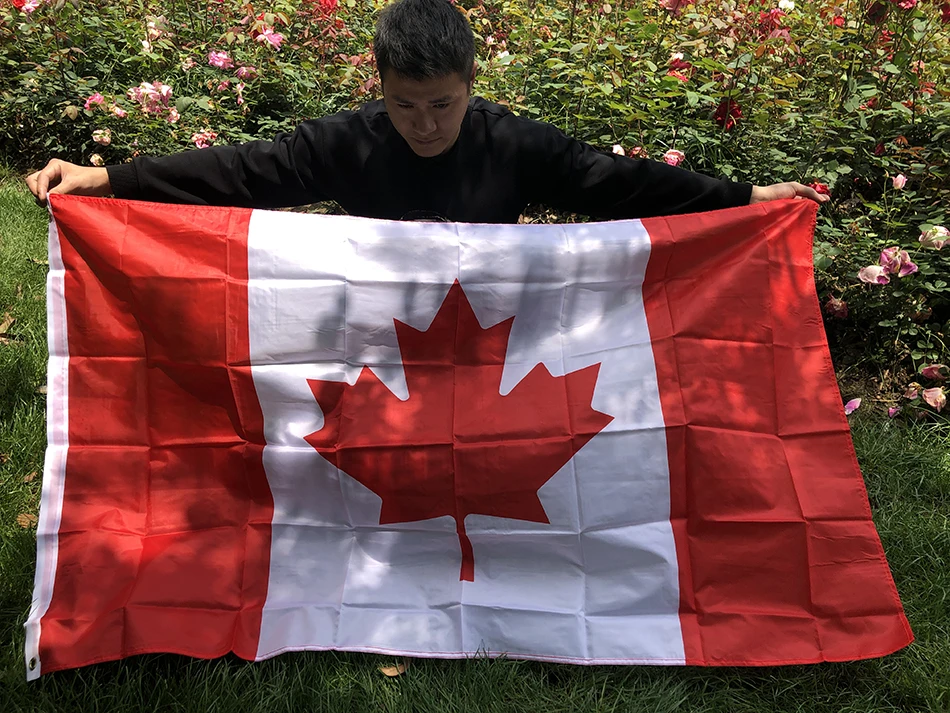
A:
<point x="423" y="39"/>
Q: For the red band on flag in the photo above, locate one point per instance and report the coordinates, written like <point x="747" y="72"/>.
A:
<point x="165" y="532"/>
<point x="776" y="548"/>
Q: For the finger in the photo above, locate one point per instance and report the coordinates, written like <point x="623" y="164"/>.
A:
<point x="42" y="183"/>
<point x="31" y="182"/>
<point x="803" y="191"/>
<point x="50" y="174"/>
<point x="815" y="195"/>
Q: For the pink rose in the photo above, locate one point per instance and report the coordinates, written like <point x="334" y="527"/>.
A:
<point x="936" y="397"/>
<point x="618" y="149"/>
<point x="675" y="7"/>
<point x="936" y="237"/>
<point x="268" y="35"/>
<point x="94" y="100"/>
<point x="152" y="96"/>
<point x="897" y="261"/>
<point x="102" y="136"/>
<point x="899" y="181"/>
<point x="220" y="60"/>
<point x="96" y="160"/>
<point x="938" y="372"/>
<point x="874" y="275"/>
<point x="674" y="157"/>
<point x="889" y="260"/>
<point x="204" y="139"/>
<point x="246" y="73"/>
<point x="906" y="266"/>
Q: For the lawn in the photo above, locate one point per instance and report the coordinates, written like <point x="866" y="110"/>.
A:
<point x="907" y="470"/>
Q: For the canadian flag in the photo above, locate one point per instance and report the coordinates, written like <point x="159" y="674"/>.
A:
<point x="594" y="443"/>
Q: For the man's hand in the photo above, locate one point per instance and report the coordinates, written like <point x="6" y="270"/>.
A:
<point x="778" y="191"/>
<point x="62" y="177"/>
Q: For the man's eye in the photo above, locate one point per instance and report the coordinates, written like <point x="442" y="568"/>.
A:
<point x="439" y="106"/>
<point x="404" y="106"/>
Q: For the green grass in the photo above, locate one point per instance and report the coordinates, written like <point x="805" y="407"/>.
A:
<point x="908" y="476"/>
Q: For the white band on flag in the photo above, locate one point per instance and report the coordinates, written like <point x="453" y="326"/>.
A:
<point x="54" y="468"/>
<point x="599" y="582"/>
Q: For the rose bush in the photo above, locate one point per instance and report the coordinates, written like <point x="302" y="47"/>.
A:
<point x="851" y="96"/>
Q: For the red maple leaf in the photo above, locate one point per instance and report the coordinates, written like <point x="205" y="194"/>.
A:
<point x="456" y="446"/>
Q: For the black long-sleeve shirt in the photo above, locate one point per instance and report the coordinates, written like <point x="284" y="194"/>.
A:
<point x="499" y="164"/>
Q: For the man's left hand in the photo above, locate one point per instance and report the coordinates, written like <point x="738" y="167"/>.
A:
<point x="779" y="191"/>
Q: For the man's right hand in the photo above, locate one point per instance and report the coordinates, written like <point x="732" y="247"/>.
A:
<point x="62" y="177"/>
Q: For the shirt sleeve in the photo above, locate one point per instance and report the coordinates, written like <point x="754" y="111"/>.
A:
<point x="293" y="169"/>
<point x="568" y="174"/>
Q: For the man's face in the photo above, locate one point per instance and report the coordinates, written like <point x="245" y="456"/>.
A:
<point x="428" y="113"/>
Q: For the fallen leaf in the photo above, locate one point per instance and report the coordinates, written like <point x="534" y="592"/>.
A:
<point x="393" y="671"/>
<point x="19" y="292"/>
<point x="5" y="324"/>
<point x="4" y="457"/>
<point x="37" y="261"/>
<point x="41" y="389"/>
<point x="28" y="478"/>
<point x="26" y="520"/>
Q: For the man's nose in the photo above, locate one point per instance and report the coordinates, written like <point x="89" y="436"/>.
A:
<point x="424" y="124"/>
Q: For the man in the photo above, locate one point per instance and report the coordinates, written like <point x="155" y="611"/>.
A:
<point x="427" y="149"/>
